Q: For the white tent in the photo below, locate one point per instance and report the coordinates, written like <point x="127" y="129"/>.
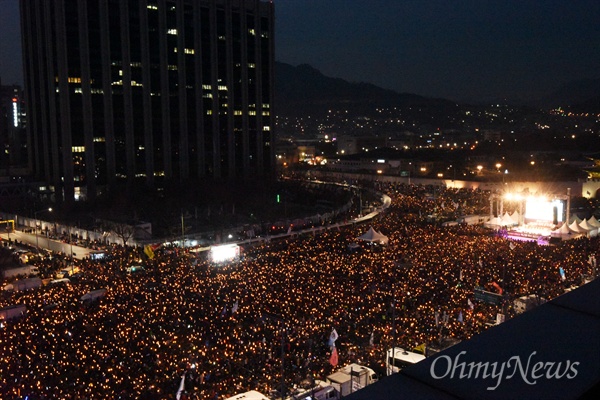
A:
<point x="373" y="236"/>
<point x="592" y="230"/>
<point x="566" y="232"/>
<point x="563" y="230"/>
<point x="576" y="228"/>
<point x="594" y="222"/>
<point x="516" y="217"/>
<point x="507" y="220"/>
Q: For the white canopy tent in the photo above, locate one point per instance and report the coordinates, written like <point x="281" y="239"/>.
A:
<point x="575" y="227"/>
<point x="563" y="230"/>
<point x="566" y="233"/>
<point x="592" y="230"/>
<point x="516" y="217"/>
<point x="373" y="236"/>
<point x="507" y="220"/>
<point x="594" y="222"/>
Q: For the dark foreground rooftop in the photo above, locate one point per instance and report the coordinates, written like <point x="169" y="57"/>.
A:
<point x="551" y="352"/>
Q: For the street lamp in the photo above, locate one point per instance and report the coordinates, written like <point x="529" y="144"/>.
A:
<point x="35" y="213"/>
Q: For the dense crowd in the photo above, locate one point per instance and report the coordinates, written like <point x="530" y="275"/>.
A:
<point x="220" y="325"/>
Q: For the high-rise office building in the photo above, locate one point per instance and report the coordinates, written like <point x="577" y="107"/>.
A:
<point x="148" y="89"/>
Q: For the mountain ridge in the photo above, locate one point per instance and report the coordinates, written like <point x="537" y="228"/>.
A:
<point x="305" y="89"/>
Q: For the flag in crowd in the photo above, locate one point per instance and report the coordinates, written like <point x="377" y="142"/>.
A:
<point x="333" y="360"/>
<point x="333" y="337"/>
<point x="149" y="250"/>
<point x="470" y="303"/>
<point x="498" y="288"/>
<point x="422" y="348"/>
<point x="181" y="388"/>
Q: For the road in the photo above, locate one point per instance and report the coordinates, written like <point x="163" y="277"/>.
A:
<point x="49" y="244"/>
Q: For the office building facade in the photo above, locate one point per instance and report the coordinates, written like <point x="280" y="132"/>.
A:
<point x="157" y="90"/>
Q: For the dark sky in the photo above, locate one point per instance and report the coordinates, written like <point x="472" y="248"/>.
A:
<point x="463" y="49"/>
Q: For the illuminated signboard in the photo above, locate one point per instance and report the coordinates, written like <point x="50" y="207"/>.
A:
<point x="15" y="113"/>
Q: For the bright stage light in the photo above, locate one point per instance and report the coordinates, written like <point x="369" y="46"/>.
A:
<point x="225" y="252"/>
<point x="541" y="209"/>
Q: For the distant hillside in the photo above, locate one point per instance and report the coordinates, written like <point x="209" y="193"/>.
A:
<point x="305" y="90"/>
<point x="583" y="95"/>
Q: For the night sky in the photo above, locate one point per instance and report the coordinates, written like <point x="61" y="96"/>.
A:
<point x="462" y="50"/>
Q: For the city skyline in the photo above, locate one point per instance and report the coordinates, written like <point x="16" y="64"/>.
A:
<point x="467" y="51"/>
